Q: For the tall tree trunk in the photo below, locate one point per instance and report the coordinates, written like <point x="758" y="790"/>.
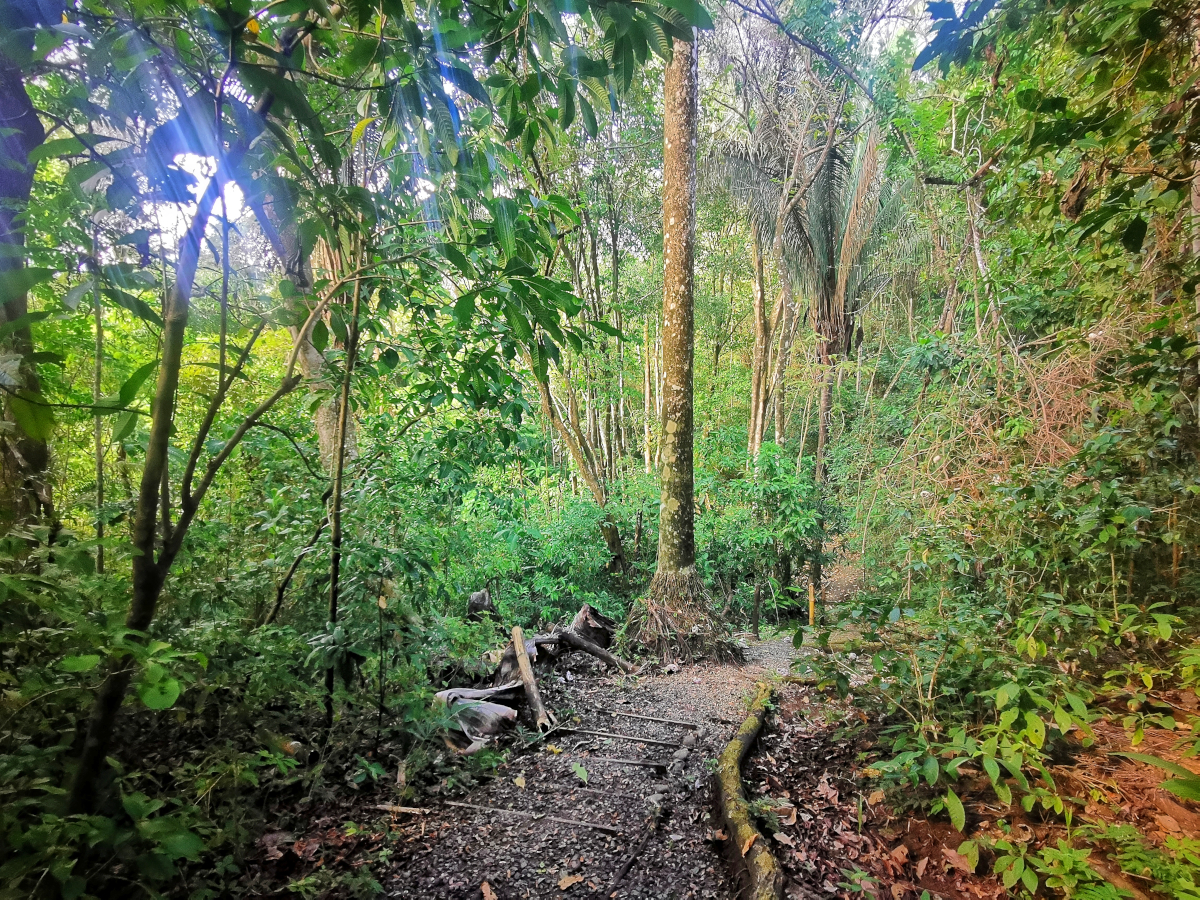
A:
<point x="339" y="471"/>
<point x="647" y="397"/>
<point x="674" y="619"/>
<point x="24" y="458"/>
<point x="97" y="425"/>
<point x="760" y="359"/>
<point x="824" y="415"/>
<point x="149" y="573"/>
<point x="783" y="357"/>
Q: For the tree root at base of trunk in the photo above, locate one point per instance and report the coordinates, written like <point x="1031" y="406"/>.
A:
<point x="676" y="621"/>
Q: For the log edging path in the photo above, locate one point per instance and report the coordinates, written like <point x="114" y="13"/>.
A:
<point x="746" y="848"/>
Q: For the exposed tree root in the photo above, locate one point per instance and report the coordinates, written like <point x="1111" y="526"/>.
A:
<point x="676" y="620"/>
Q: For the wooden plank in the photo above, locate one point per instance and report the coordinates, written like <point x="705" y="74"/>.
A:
<point x="528" y="815"/>
<point x="682" y="724"/>
<point x="648" y="763"/>
<point x="623" y="737"/>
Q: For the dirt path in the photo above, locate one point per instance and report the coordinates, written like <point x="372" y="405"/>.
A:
<point x="453" y="852"/>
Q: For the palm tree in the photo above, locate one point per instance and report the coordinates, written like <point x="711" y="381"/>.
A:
<point x="852" y="231"/>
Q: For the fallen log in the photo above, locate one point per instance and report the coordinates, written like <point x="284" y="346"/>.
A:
<point x="579" y="642"/>
<point x="541" y="717"/>
<point x="746" y="849"/>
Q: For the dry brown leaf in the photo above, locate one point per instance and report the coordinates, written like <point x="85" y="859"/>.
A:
<point x="897" y="891"/>
<point x="958" y="861"/>
<point x="790" y="819"/>
<point x="568" y="880"/>
<point x="749" y="843"/>
<point x="519" y="781"/>
<point x="1168" y="824"/>
<point x="876" y="797"/>
<point x="900" y="854"/>
<point x="785" y="839"/>
<point x="720" y="835"/>
<point x="921" y="867"/>
<point x="488" y="893"/>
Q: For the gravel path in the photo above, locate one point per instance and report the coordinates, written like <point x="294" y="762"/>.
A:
<point x="613" y="806"/>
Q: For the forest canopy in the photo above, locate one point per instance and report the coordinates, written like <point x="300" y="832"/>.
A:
<point x="869" y="322"/>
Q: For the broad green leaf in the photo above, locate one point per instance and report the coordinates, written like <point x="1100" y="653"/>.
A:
<point x="15" y="283"/>
<point x="931" y="769"/>
<point x="68" y="146"/>
<point x="129" y="390"/>
<point x="1036" y="729"/>
<point x="32" y="414"/>
<point x="75" y="295"/>
<point x="160" y="694"/>
<point x="958" y="815"/>
<point x="83" y="663"/>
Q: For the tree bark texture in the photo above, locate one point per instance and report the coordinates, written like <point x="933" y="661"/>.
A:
<point x="676" y="542"/>
<point x="24" y="491"/>
<point x="674" y="619"/>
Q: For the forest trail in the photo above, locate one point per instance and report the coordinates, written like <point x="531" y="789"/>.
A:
<point x="453" y="852"/>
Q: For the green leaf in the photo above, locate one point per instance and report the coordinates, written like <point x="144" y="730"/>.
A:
<point x="992" y="768"/>
<point x="134" y="382"/>
<point x="1030" y="880"/>
<point x="580" y="772"/>
<point x="135" y="305"/>
<point x="1005" y="693"/>
<point x="68" y="146"/>
<point x="464" y="309"/>
<point x="1134" y="235"/>
<point x="22" y="322"/>
<point x="31" y="414"/>
<point x="183" y="845"/>
<point x="75" y="295"/>
<point x="1036" y="729"/>
<point x="504" y="211"/>
<point x="1187" y="788"/>
<point x="16" y="282"/>
<point x="931" y="769"/>
<point x="360" y="128"/>
<point x="124" y="426"/>
<point x="696" y="15"/>
<point x="160" y="694"/>
<point x="1166" y="765"/>
<point x="606" y="328"/>
<point x="319" y="336"/>
<point x="589" y="117"/>
<point x="958" y="815"/>
<point x="83" y="663"/>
